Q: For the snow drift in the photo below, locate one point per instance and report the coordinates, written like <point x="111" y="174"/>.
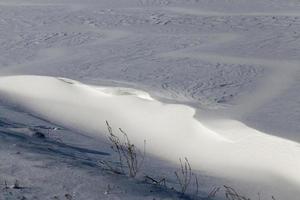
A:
<point x="171" y="131"/>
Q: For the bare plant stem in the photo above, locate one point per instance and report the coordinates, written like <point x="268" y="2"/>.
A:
<point x="184" y="175"/>
<point x="128" y="154"/>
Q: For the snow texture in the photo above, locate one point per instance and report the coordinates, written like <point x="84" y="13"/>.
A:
<point x="215" y="81"/>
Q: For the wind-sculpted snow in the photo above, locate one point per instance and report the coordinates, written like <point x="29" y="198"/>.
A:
<point x="90" y="51"/>
<point x="231" y="60"/>
<point x="231" y="151"/>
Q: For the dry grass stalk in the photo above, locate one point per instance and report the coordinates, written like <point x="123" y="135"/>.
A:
<point x="159" y="181"/>
<point x="184" y="175"/>
<point x="128" y="154"/>
<point x="213" y="192"/>
<point x="231" y="194"/>
<point x="197" y="185"/>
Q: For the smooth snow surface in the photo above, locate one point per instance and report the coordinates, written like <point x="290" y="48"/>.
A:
<point x="171" y="131"/>
<point x="217" y="81"/>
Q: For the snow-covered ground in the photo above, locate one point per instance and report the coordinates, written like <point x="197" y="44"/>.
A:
<point x="214" y="81"/>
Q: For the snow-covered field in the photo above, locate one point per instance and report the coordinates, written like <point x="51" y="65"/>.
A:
<point x="216" y="81"/>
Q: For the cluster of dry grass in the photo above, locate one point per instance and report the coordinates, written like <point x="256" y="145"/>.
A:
<point x="232" y="194"/>
<point x="184" y="176"/>
<point x="131" y="159"/>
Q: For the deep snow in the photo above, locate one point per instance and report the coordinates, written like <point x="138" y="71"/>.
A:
<point x="171" y="130"/>
<point x="233" y="65"/>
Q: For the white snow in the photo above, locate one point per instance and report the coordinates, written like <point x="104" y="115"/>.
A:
<point x="215" y="81"/>
<point x="229" y="148"/>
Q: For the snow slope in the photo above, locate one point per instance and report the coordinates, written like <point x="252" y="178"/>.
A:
<point x="171" y="131"/>
<point x="232" y="64"/>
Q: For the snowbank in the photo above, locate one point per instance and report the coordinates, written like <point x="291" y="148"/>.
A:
<point x="171" y="131"/>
